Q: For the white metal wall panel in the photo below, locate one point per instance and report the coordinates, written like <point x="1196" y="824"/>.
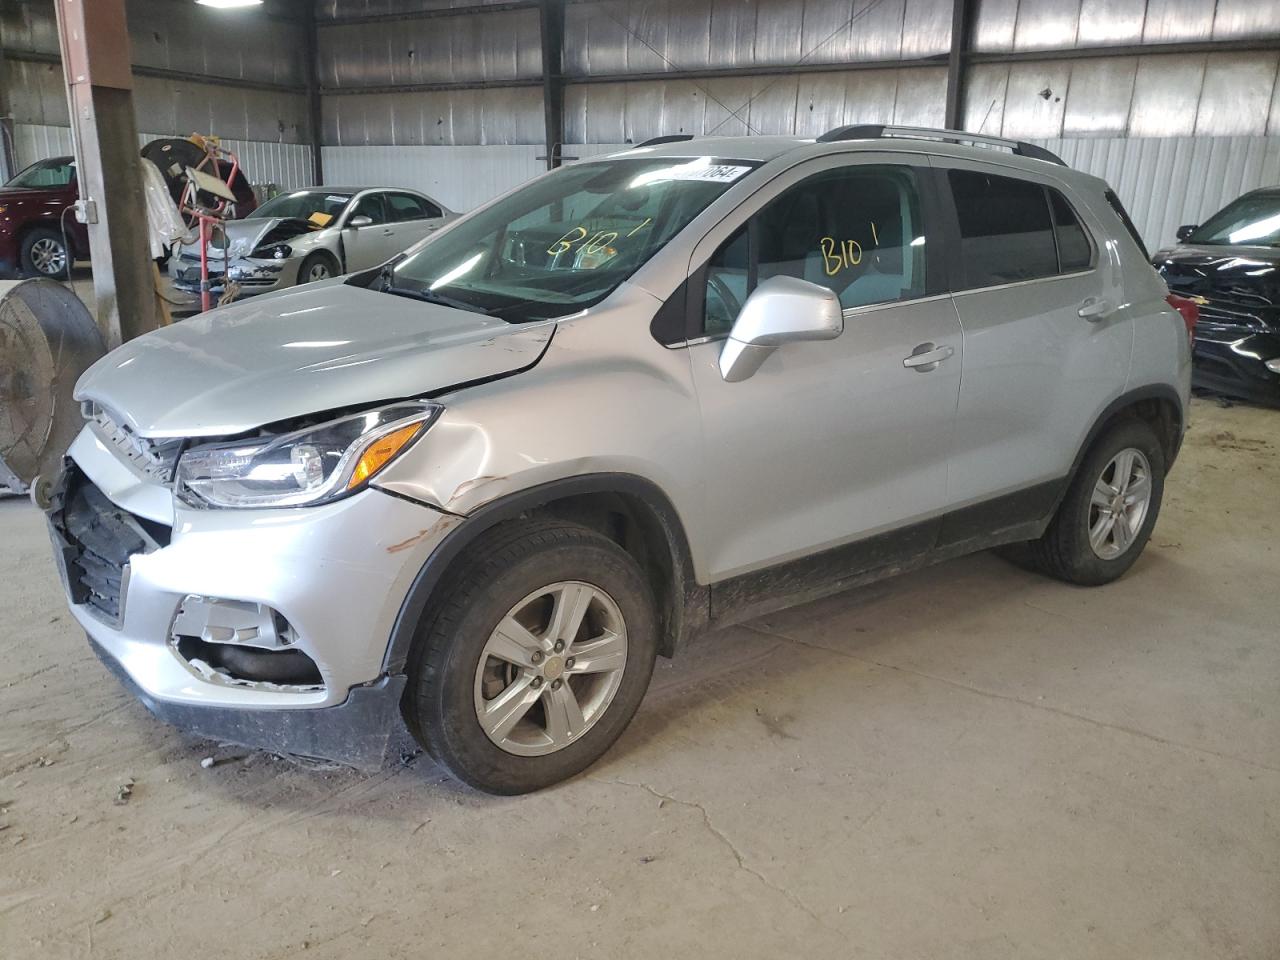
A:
<point x="288" y="165"/>
<point x="1169" y="181"/>
<point x="459" y="177"/>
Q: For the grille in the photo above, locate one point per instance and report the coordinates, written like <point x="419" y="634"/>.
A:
<point x="156" y="459"/>
<point x="95" y="539"/>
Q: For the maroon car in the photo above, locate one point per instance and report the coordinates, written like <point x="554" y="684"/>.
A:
<point x="34" y="233"/>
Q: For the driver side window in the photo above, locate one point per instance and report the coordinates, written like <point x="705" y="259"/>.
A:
<point x="373" y="206"/>
<point x="856" y="230"/>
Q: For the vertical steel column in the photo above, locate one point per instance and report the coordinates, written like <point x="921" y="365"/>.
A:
<point x="551" y="22"/>
<point x="95" y="61"/>
<point x="314" y="111"/>
<point x="961" y="22"/>
<point x="8" y="162"/>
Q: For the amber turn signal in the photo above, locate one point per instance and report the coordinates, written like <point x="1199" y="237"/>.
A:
<point x="381" y="452"/>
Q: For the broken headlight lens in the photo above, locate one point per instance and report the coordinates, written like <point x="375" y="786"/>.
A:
<point x="305" y="467"/>
<point x="273" y="251"/>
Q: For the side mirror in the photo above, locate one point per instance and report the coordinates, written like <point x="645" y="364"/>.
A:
<point x="780" y="310"/>
<point x="1186" y="230"/>
<point x="359" y="221"/>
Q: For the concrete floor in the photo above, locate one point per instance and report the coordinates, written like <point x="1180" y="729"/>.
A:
<point x="968" y="762"/>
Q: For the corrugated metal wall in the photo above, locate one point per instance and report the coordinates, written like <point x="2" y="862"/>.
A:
<point x="1170" y="181"/>
<point x="287" y="165"/>
<point x="245" y="46"/>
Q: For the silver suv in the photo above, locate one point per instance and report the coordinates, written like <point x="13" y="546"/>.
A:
<point x="483" y="485"/>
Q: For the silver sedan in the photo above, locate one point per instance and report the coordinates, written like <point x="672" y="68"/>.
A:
<point x="310" y="234"/>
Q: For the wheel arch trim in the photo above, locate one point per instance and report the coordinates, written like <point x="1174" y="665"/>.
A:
<point x="1162" y="392"/>
<point x="687" y="607"/>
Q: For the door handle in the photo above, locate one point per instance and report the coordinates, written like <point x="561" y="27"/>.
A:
<point x="388" y="233"/>
<point x="926" y="357"/>
<point x="1094" y="309"/>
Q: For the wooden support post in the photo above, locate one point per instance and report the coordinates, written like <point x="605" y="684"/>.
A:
<point x="95" y="60"/>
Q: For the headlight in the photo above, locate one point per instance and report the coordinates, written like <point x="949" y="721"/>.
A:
<point x="273" y="251"/>
<point x="306" y="467"/>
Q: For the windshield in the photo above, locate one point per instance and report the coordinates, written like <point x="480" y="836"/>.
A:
<point x="1253" y="220"/>
<point x="46" y="173"/>
<point x="565" y="241"/>
<point x="319" y="206"/>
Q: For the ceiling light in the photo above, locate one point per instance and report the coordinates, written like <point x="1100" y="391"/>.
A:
<point x="229" y="4"/>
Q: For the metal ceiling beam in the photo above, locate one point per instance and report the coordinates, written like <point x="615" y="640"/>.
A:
<point x="443" y="86"/>
<point x="161" y="73"/>
<point x="1249" y="45"/>
<point x="459" y="11"/>
<point x="551" y="34"/>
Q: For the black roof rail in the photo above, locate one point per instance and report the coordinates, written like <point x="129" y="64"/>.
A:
<point x="876" y="131"/>
<point x="669" y="138"/>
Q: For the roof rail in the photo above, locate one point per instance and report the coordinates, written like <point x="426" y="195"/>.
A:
<point x="874" y="131"/>
<point x="669" y="138"/>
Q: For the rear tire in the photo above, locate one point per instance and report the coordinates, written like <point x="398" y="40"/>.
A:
<point x="1109" y="511"/>
<point x="44" y="253"/>
<point x="572" y="680"/>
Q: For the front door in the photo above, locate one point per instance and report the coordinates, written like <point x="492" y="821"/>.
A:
<point x="842" y="440"/>
<point x="372" y="243"/>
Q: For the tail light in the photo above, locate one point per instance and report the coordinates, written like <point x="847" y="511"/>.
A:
<point x="1190" y="311"/>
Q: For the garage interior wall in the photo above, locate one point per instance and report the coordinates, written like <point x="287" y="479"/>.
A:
<point x="1178" y="130"/>
<point x="1175" y="102"/>
<point x="237" y="74"/>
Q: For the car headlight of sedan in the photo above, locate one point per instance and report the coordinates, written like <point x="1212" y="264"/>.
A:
<point x="305" y="467"/>
<point x="273" y="251"/>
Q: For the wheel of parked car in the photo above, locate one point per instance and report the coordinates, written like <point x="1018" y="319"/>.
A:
<point x="44" y="254"/>
<point x="535" y="658"/>
<point x="318" y="266"/>
<point x="1110" y="508"/>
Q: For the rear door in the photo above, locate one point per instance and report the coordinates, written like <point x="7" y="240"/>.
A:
<point x="1047" y="341"/>
<point x="413" y="217"/>
<point x="834" y="441"/>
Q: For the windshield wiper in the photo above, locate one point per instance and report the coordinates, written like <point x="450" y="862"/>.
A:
<point x="430" y="296"/>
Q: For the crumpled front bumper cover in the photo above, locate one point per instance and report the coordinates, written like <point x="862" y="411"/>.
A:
<point x="356" y="732"/>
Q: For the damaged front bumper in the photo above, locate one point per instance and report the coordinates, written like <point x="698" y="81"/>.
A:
<point x="250" y="275"/>
<point x="315" y="587"/>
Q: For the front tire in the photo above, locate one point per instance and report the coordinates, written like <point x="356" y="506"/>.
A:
<point x="44" y="254"/>
<point x="316" y="267"/>
<point x="1109" y="511"/>
<point x="535" y="657"/>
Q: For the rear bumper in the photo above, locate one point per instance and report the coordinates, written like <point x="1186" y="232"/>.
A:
<point x="356" y="732"/>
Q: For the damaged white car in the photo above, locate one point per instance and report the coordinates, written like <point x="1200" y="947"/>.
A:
<point x="310" y="234"/>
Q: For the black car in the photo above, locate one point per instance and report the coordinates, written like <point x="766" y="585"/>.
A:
<point x="1230" y="266"/>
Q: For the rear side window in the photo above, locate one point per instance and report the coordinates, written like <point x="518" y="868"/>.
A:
<point x="1074" y="250"/>
<point x="405" y="206"/>
<point x="1006" y="231"/>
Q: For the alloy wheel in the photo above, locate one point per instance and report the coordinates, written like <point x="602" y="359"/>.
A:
<point x="319" y="271"/>
<point x="48" y="257"/>
<point x="1119" y="503"/>
<point x="550" y="668"/>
